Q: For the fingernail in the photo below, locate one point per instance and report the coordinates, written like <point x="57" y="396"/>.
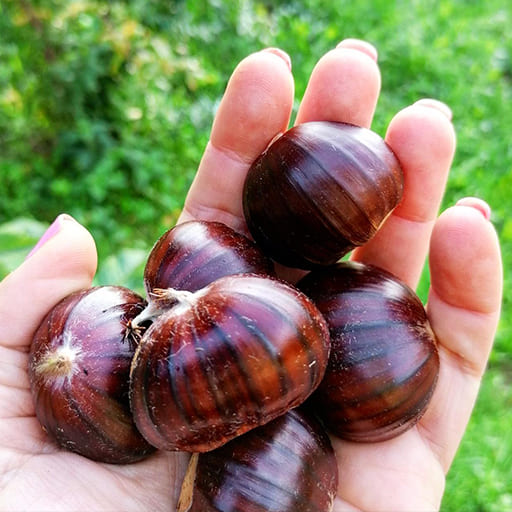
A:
<point x="53" y="229"/>
<point x="478" y="204"/>
<point x="438" y="105"/>
<point x="360" y="45"/>
<point x="282" y="54"/>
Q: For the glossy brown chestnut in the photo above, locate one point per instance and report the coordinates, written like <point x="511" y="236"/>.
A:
<point x="224" y="360"/>
<point x="79" y="368"/>
<point x="193" y="254"/>
<point x="384" y="362"/>
<point x="318" y="191"/>
<point x="287" y="465"/>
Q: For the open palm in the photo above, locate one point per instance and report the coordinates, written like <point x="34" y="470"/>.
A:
<point x="406" y="473"/>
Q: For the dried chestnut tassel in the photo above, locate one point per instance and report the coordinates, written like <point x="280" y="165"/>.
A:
<point x="318" y="191"/>
<point x="384" y="362"/>
<point x="287" y="465"/>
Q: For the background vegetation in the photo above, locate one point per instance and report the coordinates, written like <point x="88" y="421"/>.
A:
<point x="105" y="109"/>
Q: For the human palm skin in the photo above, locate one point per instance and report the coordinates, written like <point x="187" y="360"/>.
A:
<point x="403" y="474"/>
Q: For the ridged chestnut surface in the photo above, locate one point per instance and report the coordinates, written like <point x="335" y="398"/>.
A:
<point x="224" y="360"/>
<point x="318" y="191"/>
<point x="287" y="465"/>
<point x="384" y="361"/>
<point x="79" y="368"/>
<point x="193" y="254"/>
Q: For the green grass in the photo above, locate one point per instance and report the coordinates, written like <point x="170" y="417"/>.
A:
<point x="480" y="478"/>
<point x="105" y="109"/>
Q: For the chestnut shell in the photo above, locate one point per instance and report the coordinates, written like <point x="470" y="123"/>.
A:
<point x="384" y="362"/>
<point x="79" y="366"/>
<point x="287" y="465"/>
<point x="229" y="358"/>
<point x="193" y="254"/>
<point x="318" y="191"/>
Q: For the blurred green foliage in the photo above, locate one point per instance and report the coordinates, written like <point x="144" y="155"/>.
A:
<point x="106" y="107"/>
<point x="101" y="115"/>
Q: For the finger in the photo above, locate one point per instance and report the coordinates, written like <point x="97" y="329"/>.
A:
<point x="406" y="476"/>
<point x="65" y="261"/>
<point x="255" y="108"/>
<point x="464" y="308"/>
<point x="423" y="139"/>
<point x="344" y="86"/>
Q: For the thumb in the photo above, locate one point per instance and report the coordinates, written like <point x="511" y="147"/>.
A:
<point x="63" y="261"/>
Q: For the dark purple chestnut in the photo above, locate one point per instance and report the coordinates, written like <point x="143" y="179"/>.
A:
<point x="79" y="366"/>
<point x="287" y="465"/>
<point x="318" y="191"/>
<point x="384" y="362"/>
<point x="224" y="360"/>
<point x="193" y="254"/>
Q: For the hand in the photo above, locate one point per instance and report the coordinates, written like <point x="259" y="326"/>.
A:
<point x="406" y="473"/>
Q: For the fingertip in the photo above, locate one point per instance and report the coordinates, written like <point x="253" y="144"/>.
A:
<point x="428" y="122"/>
<point x="361" y="46"/>
<point x="465" y="258"/>
<point x="278" y="52"/>
<point x="424" y="141"/>
<point x="344" y="86"/>
<point x="67" y="247"/>
<point x="256" y="105"/>
<point x="478" y="204"/>
<point x="52" y="230"/>
<point x="441" y="107"/>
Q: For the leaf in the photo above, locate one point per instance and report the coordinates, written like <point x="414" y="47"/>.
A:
<point x="126" y="268"/>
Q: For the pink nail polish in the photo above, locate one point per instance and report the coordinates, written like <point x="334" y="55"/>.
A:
<point x="282" y="54"/>
<point x="360" y="45"/>
<point x="52" y="230"/>
<point x="478" y="204"/>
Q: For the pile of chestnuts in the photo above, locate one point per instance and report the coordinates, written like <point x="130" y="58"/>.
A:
<point x="244" y="370"/>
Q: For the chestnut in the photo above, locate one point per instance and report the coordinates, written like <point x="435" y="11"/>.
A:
<point x="319" y="190"/>
<point x="287" y="465"/>
<point x="384" y="362"/>
<point x="79" y="366"/>
<point x="193" y="254"/>
<point x="225" y="359"/>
